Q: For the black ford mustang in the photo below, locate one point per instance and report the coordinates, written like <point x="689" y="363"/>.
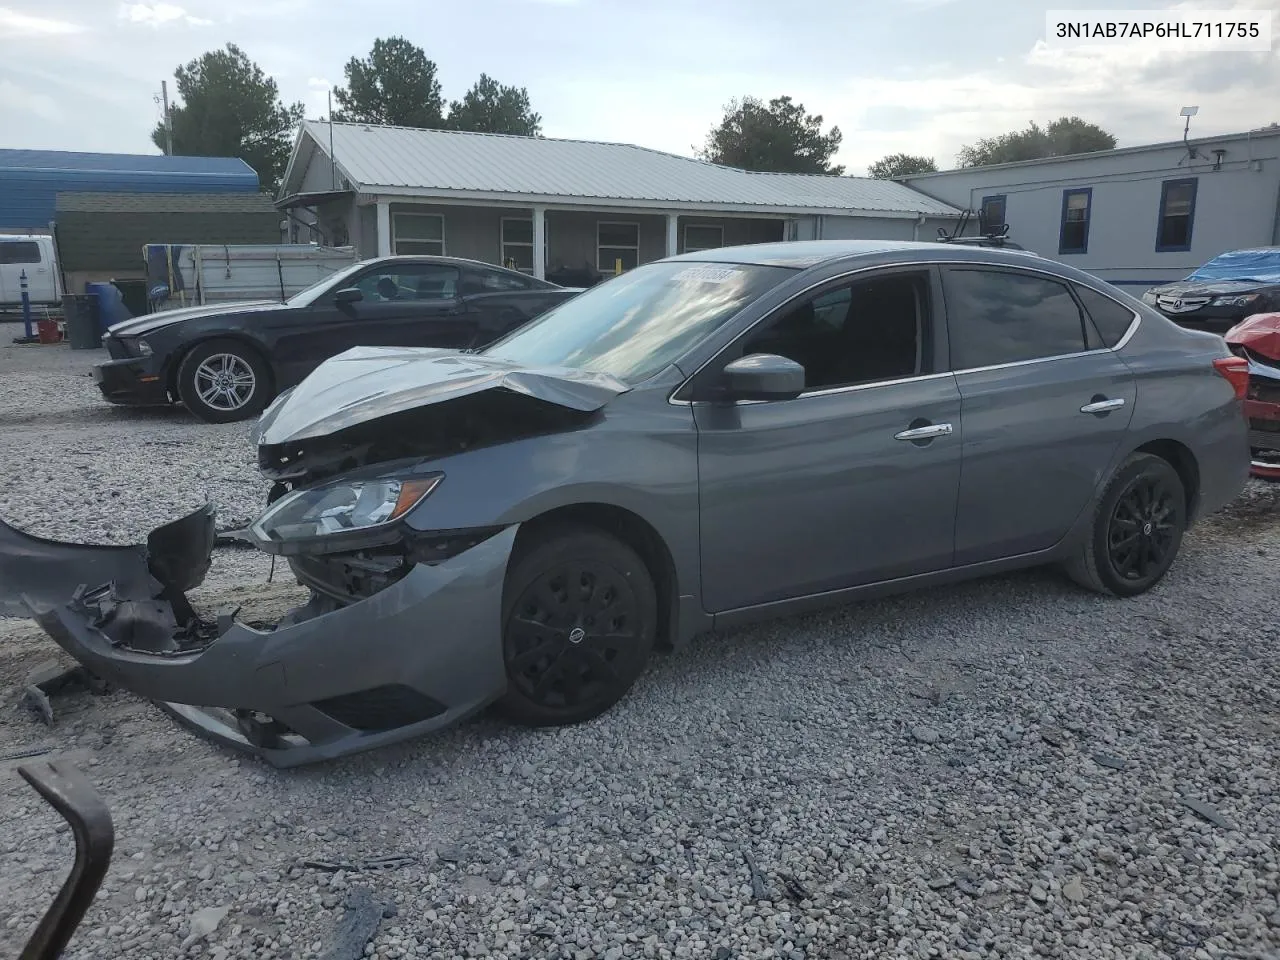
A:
<point x="226" y="362"/>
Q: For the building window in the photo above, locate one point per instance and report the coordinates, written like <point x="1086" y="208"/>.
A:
<point x="1177" y="211"/>
<point x="702" y="236"/>
<point x="517" y="243"/>
<point x="617" y="241"/>
<point x="417" y="233"/>
<point x="1073" y="235"/>
<point x="991" y="216"/>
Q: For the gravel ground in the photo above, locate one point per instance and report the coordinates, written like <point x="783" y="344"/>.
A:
<point x="1006" y="768"/>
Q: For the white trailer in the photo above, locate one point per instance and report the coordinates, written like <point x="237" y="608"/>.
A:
<point x="183" y="275"/>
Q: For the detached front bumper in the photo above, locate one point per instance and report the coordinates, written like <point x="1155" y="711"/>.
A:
<point x="324" y="681"/>
<point x="134" y="381"/>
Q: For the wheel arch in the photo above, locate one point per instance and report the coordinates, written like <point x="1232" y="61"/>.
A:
<point x="1179" y="456"/>
<point x="638" y="534"/>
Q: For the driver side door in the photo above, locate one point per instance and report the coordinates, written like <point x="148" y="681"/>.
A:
<point x="855" y="480"/>
<point x="401" y="304"/>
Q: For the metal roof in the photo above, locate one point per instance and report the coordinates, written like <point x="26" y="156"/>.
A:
<point x="441" y="163"/>
<point x="165" y="203"/>
<point x="31" y="179"/>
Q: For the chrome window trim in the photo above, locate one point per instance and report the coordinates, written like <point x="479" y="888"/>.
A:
<point x="1128" y="335"/>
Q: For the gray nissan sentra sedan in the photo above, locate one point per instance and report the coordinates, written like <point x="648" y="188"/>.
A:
<point x="701" y="442"/>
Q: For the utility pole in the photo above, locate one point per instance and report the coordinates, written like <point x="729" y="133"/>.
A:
<point x="168" y="125"/>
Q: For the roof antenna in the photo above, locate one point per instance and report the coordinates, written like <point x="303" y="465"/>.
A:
<point x="1188" y="112"/>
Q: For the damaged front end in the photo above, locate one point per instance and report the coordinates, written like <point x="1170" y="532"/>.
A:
<point x="407" y="648"/>
<point x="1257" y="339"/>
<point x="401" y="633"/>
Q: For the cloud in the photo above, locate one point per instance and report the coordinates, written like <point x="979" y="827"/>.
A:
<point x="14" y="25"/>
<point x="158" y="14"/>
<point x="318" y="83"/>
<point x="19" y="98"/>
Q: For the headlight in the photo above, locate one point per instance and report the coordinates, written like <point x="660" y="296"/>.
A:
<point x="1149" y="297"/>
<point x="345" y="506"/>
<point x="144" y="348"/>
<point x="1234" y="301"/>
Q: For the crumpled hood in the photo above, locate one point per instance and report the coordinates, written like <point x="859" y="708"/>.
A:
<point x="137" y="326"/>
<point x="367" y="383"/>
<point x="1259" y="334"/>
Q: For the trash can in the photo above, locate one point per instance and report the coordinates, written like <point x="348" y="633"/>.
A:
<point x="80" y="311"/>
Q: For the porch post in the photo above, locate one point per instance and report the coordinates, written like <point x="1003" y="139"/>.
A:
<point x="384" y="228"/>
<point x="673" y="234"/>
<point x="540" y="242"/>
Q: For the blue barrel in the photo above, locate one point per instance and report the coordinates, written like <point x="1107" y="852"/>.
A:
<point x="111" y="308"/>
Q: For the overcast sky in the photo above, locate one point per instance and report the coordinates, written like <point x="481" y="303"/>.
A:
<point x="918" y="76"/>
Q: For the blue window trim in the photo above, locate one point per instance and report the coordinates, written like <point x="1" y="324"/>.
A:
<point x="1088" y="216"/>
<point x="1194" y="182"/>
<point x="1004" y="212"/>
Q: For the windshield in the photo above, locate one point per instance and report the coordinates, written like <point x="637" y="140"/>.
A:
<point x="307" y="296"/>
<point x="634" y="325"/>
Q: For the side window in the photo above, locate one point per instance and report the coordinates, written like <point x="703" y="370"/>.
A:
<point x="19" y="251"/>
<point x="1003" y="317"/>
<point x="859" y="332"/>
<point x="495" y="281"/>
<point x="411" y="282"/>
<point x="1111" y="319"/>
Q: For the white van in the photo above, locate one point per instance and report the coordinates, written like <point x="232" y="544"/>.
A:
<point x="35" y="255"/>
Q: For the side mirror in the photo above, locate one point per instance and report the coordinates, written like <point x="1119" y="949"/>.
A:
<point x="348" y="295"/>
<point x="763" y="376"/>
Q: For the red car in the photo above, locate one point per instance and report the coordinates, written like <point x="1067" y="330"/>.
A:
<point x="1257" y="339"/>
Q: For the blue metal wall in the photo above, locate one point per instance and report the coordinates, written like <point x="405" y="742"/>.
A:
<point x="30" y="180"/>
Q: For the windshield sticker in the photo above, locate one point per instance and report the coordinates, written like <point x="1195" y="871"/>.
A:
<point x="707" y="274"/>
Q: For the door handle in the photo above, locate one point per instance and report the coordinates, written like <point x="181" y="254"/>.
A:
<point x="924" y="433"/>
<point x="1103" y="406"/>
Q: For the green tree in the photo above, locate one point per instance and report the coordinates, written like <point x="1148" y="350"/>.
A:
<point x="230" y="108"/>
<point x="1062" y="138"/>
<point x="779" y="137"/>
<point x="897" y="165"/>
<point x="396" y="85"/>
<point x="491" y="107"/>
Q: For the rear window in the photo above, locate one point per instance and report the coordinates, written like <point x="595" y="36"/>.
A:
<point x="1005" y="317"/>
<point x="1111" y="319"/>
<point x="19" y="251"/>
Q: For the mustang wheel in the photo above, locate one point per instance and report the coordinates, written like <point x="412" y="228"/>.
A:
<point x="223" y="380"/>
<point x="1137" y="529"/>
<point x="579" y="619"/>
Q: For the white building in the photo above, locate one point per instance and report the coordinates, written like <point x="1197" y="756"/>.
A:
<point x="1137" y="216"/>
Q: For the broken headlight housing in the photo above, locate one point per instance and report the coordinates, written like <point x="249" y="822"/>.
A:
<point x="341" y="511"/>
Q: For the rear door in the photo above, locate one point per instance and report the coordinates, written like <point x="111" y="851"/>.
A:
<point x="1045" y="405"/>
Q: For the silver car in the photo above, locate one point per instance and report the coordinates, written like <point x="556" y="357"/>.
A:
<point x="702" y="442"/>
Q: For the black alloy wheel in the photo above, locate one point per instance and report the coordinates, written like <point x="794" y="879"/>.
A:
<point x="578" y="627"/>
<point x="1138" y="524"/>
<point x="1143" y="530"/>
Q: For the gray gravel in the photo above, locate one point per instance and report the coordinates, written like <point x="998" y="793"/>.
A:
<point x="1006" y="768"/>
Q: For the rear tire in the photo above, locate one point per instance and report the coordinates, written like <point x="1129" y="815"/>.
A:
<point x="579" y="617"/>
<point x="1137" y="528"/>
<point x="222" y="381"/>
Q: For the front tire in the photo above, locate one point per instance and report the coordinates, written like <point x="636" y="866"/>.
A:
<point x="1138" y="525"/>
<point x="222" y="381"/>
<point x="578" y="624"/>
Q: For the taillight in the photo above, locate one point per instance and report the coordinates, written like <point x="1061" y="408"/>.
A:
<point x="1236" y="370"/>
